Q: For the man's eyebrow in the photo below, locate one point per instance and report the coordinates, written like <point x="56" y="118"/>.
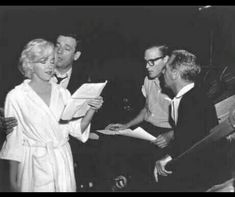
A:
<point x="44" y="58"/>
<point x="67" y="45"/>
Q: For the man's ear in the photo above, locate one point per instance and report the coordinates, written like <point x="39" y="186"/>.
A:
<point x="175" y="74"/>
<point x="166" y="58"/>
<point x="77" y="55"/>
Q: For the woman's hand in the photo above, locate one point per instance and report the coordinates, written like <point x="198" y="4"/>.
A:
<point x="96" y="103"/>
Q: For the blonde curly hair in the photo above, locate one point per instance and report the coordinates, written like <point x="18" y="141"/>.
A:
<point x="32" y="53"/>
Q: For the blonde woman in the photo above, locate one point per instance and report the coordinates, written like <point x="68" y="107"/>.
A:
<point x="38" y="149"/>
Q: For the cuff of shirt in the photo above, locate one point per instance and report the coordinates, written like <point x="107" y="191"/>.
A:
<point x="167" y="158"/>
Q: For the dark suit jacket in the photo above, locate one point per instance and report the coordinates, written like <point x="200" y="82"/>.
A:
<point x="196" y="116"/>
<point x="79" y="76"/>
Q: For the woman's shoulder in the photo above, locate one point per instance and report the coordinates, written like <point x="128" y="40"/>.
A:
<point x="16" y="90"/>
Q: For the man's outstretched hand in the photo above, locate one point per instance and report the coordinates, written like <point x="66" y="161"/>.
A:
<point x="7" y="124"/>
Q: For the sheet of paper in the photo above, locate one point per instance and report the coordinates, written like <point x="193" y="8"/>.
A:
<point x="78" y="106"/>
<point x="136" y="133"/>
<point x="108" y="132"/>
<point x="89" y="90"/>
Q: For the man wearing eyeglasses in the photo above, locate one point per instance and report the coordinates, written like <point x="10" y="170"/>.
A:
<point x="157" y="103"/>
<point x="153" y="117"/>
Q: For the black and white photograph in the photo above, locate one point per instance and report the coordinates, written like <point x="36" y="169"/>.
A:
<point x="117" y="98"/>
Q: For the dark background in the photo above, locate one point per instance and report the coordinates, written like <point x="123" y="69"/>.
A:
<point x="113" y="42"/>
<point x="119" y="34"/>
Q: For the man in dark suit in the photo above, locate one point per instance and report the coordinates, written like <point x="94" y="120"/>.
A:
<point x="193" y="115"/>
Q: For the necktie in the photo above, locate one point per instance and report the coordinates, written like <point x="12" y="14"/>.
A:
<point x="59" y="79"/>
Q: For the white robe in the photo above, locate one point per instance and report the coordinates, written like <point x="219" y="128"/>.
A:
<point x="39" y="142"/>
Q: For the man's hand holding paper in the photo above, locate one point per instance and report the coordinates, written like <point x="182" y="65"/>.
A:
<point x="164" y="139"/>
<point x="139" y="133"/>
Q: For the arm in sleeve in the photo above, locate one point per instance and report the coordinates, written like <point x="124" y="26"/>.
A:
<point x="190" y="129"/>
<point x="74" y="127"/>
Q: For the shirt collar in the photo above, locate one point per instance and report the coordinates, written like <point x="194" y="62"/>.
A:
<point x="156" y="81"/>
<point x="67" y="74"/>
<point x="184" y="90"/>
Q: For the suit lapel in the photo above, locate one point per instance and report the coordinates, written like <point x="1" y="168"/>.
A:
<point x="183" y="100"/>
<point x="78" y="77"/>
<point x="72" y="81"/>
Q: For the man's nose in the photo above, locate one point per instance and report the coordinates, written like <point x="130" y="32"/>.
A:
<point x="147" y="65"/>
<point x="59" y="50"/>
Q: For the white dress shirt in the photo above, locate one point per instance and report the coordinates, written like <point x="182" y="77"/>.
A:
<point x="174" y="113"/>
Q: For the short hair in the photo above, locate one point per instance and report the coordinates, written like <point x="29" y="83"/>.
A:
<point x="186" y="63"/>
<point x="164" y="49"/>
<point x="33" y="52"/>
<point x="75" y="36"/>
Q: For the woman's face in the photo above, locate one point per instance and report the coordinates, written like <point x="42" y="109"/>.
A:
<point x="43" y="69"/>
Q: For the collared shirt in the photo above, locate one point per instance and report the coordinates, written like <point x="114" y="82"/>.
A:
<point x="157" y="103"/>
<point x="64" y="83"/>
<point x="176" y="101"/>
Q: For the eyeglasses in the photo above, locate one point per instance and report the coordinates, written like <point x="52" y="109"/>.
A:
<point x="151" y="62"/>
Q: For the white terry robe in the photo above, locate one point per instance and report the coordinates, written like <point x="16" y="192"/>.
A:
<point x="39" y="143"/>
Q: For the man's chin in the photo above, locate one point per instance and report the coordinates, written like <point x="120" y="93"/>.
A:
<point x="152" y="77"/>
<point x="59" y="65"/>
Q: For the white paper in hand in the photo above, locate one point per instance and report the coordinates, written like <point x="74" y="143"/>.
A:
<point x="89" y="90"/>
<point x="108" y="132"/>
<point x="139" y="133"/>
<point x="78" y="106"/>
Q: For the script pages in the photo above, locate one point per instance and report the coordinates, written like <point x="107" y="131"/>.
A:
<point x="139" y="133"/>
<point x="77" y="106"/>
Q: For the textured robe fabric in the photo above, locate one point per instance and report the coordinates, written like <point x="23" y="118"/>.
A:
<point x="39" y="143"/>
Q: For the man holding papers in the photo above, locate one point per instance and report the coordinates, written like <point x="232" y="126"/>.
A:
<point x="153" y="118"/>
<point x="194" y="115"/>
<point x="157" y="104"/>
<point x="71" y="76"/>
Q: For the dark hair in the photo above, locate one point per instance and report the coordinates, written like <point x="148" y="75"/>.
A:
<point x="75" y="36"/>
<point x="186" y="62"/>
